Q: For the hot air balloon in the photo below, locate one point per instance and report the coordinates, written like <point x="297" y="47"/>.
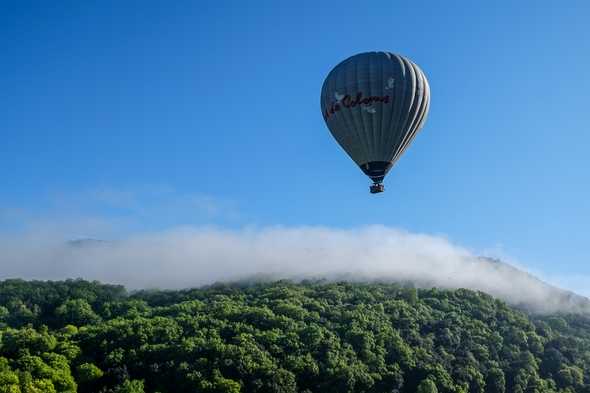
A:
<point x="374" y="104"/>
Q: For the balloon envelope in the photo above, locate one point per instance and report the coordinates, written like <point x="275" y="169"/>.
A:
<point x="374" y="104"/>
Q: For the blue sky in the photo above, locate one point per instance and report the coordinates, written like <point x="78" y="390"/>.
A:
<point x="161" y="114"/>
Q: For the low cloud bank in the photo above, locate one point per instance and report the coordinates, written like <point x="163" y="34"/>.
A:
<point x="197" y="256"/>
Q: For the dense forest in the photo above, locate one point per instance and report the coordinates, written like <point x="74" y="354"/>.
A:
<point x="79" y="336"/>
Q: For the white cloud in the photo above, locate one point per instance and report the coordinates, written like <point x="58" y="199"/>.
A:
<point x="579" y="283"/>
<point x="145" y="255"/>
<point x="193" y="256"/>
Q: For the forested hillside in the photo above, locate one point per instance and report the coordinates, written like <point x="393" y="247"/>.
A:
<point x="78" y="336"/>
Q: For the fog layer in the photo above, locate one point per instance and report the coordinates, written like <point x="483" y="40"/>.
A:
<point x="198" y="256"/>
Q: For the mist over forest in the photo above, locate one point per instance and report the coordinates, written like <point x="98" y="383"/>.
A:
<point x="195" y="256"/>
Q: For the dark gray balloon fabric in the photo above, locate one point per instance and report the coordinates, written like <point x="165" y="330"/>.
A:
<point x="374" y="105"/>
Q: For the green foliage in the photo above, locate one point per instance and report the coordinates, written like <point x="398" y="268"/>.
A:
<point x="281" y="337"/>
<point x="427" y="386"/>
<point x="130" y="386"/>
<point x="76" y="312"/>
<point x="88" y="372"/>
